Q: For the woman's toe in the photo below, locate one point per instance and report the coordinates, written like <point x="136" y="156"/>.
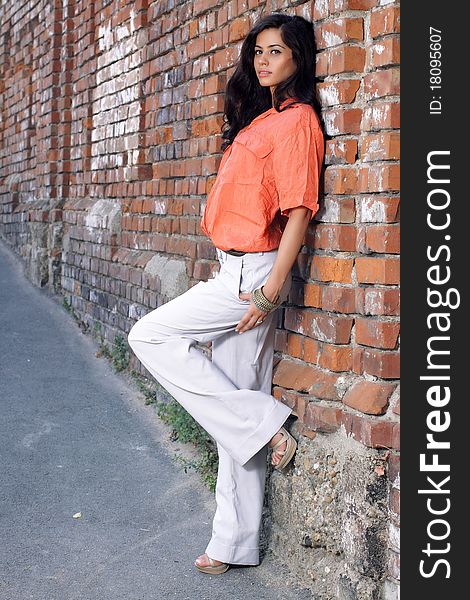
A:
<point x="203" y="561"/>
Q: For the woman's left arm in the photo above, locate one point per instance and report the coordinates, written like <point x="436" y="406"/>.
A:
<point x="289" y="247"/>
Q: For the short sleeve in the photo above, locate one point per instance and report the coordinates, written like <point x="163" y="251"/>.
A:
<point x="297" y="163"/>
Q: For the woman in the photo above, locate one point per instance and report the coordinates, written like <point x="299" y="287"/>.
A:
<point x="257" y="213"/>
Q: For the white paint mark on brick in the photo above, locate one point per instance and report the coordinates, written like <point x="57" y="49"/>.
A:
<point x="317" y="333"/>
<point x="329" y="212"/>
<point x="394" y="537"/>
<point x="306" y="12"/>
<point x="381" y="179"/>
<point x="371" y="211"/>
<point x="160" y="207"/>
<point x="372" y="302"/>
<point x="132" y="20"/>
<point x="342" y="384"/>
<point x="391" y="590"/>
<point x="322" y="6"/>
<point x="379" y="113"/>
<point x="375" y="145"/>
<point x="329" y="95"/>
<point x="330" y="124"/>
<point x="105" y="36"/>
<point x="379" y="48"/>
<point x="331" y="39"/>
<point x="121" y="32"/>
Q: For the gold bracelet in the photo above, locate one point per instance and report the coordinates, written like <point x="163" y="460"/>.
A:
<point x="261" y="302"/>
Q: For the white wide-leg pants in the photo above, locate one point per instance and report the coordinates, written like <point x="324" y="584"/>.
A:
<point x="230" y="396"/>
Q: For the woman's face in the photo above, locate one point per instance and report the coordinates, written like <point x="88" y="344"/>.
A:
<point x="273" y="60"/>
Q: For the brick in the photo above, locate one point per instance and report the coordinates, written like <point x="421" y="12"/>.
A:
<point x="295" y="345"/>
<point x="280" y="340"/>
<point x="384" y="52"/>
<point x="379" y="334"/>
<point x="369" y="397"/>
<point x="325" y="385"/>
<point x="296" y="401"/>
<point x="343" y="121"/>
<point x="335" y="358"/>
<point x="332" y="93"/>
<point x="325" y="419"/>
<point x="378" y="209"/>
<point x="372" y="432"/>
<point x="306" y="432"/>
<point x="342" y="5"/>
<point x="393" y="562"/>
<point x="239" y="28"/>
<point x="195" y="47"/>
<point x="336" y="32"/>
<point x="336" y="210"/>
<point x="381" y="301"/>
<point x="340" y="151"/>
<point x="311" y="350"/>
<point x="384" y="21"/>
<point x="382" y="83"/>
<point x="346" y="59"/>
<point x="340" y="180"/>
<point x="393" y="469"/>
<point x="326" y="268"/>
<point x="381" y="115"/>
<point x="381" y="363"/>
<point x="312" y="295"/>
<point x="323" y="327"/>
<point x="379" y="178"/>
<point x="306" y="378"/>
<point x="204" y="270"/>
<point x="333" y="237"/>
<point x="321" y="63"/>
<point x="296" y="376"/>
<point x="383" y="238"/>
<point x="321" y="10"/>
<point x="396" y="407"/>
<point x="214" y="84"/>
<point x="377" y="270"/>
<point x="381" y="146"/>
<point x="396" y="436"/>
<point x="339" y="299"/>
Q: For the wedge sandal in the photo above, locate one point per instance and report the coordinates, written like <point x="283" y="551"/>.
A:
<point x="212" y="567"/>
<point x="288" y="453"/>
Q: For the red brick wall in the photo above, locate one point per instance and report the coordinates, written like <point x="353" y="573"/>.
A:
<point x="109" y="139"/>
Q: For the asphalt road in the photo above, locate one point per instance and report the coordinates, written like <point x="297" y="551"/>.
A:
<point x="77" y="438"/>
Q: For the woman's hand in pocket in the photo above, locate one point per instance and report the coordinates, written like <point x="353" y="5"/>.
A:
<point x="253" y="316"/>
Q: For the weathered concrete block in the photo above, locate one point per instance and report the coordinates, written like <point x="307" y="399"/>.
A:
<point x="105" y="214"/>
<point x="330" y="519"/>
<point x="391" y="590"/>
<point x="172" y="274"/>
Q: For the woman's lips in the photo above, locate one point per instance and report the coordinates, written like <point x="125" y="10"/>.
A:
<point x="264" y="73"/>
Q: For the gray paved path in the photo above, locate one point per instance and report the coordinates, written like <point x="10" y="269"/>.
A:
<point x="74" y="437"/>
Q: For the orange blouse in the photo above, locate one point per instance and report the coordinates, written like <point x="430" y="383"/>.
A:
<point x="273" y="165"/>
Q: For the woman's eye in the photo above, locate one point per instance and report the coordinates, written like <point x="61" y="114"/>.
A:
<point x="274" y="50"/>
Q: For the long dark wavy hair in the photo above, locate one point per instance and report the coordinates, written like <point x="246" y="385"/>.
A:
<point x="245" y="98"/>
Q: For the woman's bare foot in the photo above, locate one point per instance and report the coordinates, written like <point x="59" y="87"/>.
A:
<point x="275" y="458"/>
<point x="202" y="561"/>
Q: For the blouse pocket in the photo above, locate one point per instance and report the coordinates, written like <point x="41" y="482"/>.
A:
<point x="256" y="144"/>
<point x="247" y="161"/>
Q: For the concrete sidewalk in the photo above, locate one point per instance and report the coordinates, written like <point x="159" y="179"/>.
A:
<point x="76" y="437"/>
